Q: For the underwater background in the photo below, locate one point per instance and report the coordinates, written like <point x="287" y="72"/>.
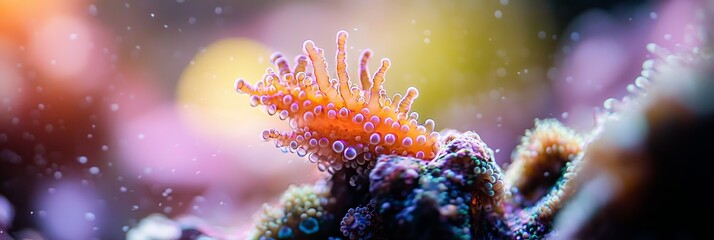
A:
<point x="120" y="119"/>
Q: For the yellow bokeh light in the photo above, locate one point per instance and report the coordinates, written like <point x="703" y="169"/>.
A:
<point x="206" y="96"/>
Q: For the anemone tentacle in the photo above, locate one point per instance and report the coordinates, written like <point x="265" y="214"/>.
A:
<point x="335" y="122"/>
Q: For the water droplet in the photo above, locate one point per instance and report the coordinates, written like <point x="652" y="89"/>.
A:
<point x="89" y="216"/>
<point x="82" y="159"/>
<point x="575" y="36"/>
<point x="94" y="170"/>
<point x="92" y="10"/>
<point x="501" y="72"/>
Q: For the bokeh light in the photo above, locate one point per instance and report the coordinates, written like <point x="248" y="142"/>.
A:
<point x="119" y="119"/>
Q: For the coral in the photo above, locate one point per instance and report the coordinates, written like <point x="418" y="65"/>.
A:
<point x="450" y="194"/>
<point x="300" y="212"/>
<point x="395" y="175"/>
<point x="360" y="222"/>
<point x="650" y="152"/>
<point x="155" y="226"/>
<point x="392" y="178"/>
<point x="539" y="160"/>
<point x="335" y="122"/>
<point x="537" y="221"/>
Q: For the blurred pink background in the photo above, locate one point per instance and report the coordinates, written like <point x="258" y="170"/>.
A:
<point x="113" y="110"/>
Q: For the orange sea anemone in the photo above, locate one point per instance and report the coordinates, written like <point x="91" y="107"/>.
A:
<point x="337" y="123"/>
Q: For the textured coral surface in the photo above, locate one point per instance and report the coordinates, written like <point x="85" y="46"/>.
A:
<point x="392" y="178"/>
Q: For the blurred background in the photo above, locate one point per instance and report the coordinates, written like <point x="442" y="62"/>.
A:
<point x="111" y="111"/>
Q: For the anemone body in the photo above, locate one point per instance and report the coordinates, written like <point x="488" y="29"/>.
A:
<point x="336" y="123"/>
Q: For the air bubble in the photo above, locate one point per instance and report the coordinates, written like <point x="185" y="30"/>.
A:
<point x="313" y="158"/>
<point x="319" y="110"/>
<point x="374" y="119"/>
<point x="301" y="152"/>
<point x="350" y="153"/>
<point x="374" y="139"/>
<point x="287" y="99"/>
<point x="254" y="101"/>
<point x="338" y="146"/>
<point x="407" y="142"/>
<point x="308" y="116"/>
<point x="421" y="140"/>
<point x="368" y="127"/>
<point x="272" y="109"/>
<point x="337" y="166"/>
<point x="344" y="112"/>
<point x="405" y="128"/>
<point x="414" y="115"/>
<point x="359" y="118"/>
<point x="323" y="142"/>
<point x="283" y="115"/>
<point x="390" y="139"/>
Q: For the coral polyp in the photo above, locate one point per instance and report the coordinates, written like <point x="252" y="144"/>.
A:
<point x="540" y="158"/>
<point x="337" y="123"/>
<point x="301" y="209"/>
